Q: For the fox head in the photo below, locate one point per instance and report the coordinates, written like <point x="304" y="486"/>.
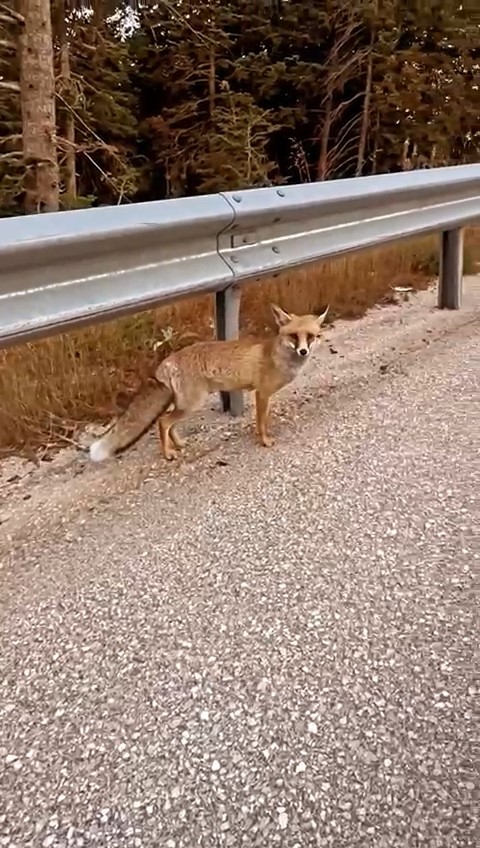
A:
<point x="298" y="332"/>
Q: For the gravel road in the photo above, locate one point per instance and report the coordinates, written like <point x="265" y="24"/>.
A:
<point x="260" y="648"/>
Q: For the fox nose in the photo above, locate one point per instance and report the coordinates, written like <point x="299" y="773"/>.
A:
<point x="302" y="351"/>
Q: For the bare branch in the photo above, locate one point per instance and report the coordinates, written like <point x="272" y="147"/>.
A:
<point x="8" y="45"/>
<point x="90" y="48"/>
<point x="9" y="139"/>
<point x="14" y="154"/>
<point x="337" y="76"/>
<point x="10" y="86"/>
<point x="348" y="128"/>
<point x="342" y="42"/>
<point x="337" y="155"/>
<point x="341" y="106"/>
<point x="10" y="15"/>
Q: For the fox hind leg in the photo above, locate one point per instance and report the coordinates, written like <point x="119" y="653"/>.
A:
<point x="169" y="438"/>
<point x="187" y="399"/>
<point x="174" y="440"/>
<point x="177" y="440"/>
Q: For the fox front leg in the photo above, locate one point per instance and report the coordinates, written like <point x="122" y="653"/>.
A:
<point x="262" y="403"/>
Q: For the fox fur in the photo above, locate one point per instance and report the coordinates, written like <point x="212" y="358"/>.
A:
<point x="188" y="376"/>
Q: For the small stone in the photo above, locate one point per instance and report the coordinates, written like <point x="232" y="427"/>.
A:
<point x="215" y="765"/>
<point x="312" y="727"/>
<point x="283" y="820"/>
<point x="301" y="767"/>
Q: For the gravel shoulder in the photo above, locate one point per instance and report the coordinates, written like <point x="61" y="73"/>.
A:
<point x="260" y="647"/>
<point x="38" y="497"/>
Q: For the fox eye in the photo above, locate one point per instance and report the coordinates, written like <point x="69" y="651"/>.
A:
<point x="311" y="338"/>
<point x="293" y="338"/>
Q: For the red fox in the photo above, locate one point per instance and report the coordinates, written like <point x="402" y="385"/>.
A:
<point x="188" y="376"/>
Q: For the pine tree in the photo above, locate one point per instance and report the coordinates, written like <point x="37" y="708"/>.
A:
<point x="103" y="104"/>
<point x="37" y="98"/>
<point x="167" y="99"/>
<point x="11" y="148"/>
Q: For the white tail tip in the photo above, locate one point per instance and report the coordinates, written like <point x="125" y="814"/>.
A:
<point x="100" y="450"/>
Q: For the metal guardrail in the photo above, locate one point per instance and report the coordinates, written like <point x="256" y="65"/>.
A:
<point x="274" y="229"/>
<point x="65" y="269"/>
<point x="62" y="270"/>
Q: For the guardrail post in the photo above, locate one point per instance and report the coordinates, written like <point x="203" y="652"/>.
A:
<point x="227" y="323"/>
<point x="451" y="270"/>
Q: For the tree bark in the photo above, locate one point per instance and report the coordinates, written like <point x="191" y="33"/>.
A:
<point x="37" y="95"/>
<point x="362" y="145"/>
<point x="66" y="115"/>
<point x="211" y="82"/>
<point x="322" y="170"/>
<point x="376" y="143"/>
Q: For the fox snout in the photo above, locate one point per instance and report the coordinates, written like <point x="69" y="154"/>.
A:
<point x="301" y="343"/>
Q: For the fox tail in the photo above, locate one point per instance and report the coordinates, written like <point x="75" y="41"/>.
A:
<point x="144" y="409"/>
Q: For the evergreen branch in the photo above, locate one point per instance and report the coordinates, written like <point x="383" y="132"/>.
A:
<point x="176" y="14"/>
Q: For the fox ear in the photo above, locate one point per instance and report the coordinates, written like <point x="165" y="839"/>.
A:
<point x="321" y="318"/>
<point x="281" y="317"/>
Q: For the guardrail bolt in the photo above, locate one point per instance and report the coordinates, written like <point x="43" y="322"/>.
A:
<point x="237" y="198"/>
<point x="280" y="192"/>
<point x="275" y="249"/>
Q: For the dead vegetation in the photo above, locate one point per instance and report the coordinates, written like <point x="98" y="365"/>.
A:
<point x="49" y="388"/>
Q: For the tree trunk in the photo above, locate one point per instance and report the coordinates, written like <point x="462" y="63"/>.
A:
<point x="322" y="171"/>
<point x="67" y="117"/>
<point x="376" y="143"/>
<point x="37" y="94"/>
<point x="212" y="82"/>
<point x="99" y="13"/>
<point x="362" y="145"/>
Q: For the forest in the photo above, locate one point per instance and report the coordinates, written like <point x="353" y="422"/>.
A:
<point x="107" y="102"/>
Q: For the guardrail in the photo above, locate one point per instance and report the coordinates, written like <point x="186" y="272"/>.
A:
<point x="63" y="270"/>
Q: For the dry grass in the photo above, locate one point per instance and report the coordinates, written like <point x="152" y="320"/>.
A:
<point x="48" y="388"/>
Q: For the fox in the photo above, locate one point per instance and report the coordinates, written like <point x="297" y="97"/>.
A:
<point x="186" y="378"/>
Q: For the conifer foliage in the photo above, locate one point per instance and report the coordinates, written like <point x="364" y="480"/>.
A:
<point x="107" y="102"/>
